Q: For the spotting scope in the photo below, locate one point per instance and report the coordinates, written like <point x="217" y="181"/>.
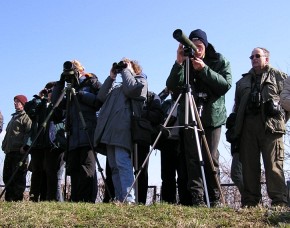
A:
<point x="181" y="38"/>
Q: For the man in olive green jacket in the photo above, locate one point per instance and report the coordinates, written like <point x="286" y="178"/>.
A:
<point x="210" y="78"/>
<point x="259" y="127"/>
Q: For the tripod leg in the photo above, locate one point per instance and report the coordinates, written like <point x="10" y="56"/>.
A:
<point x="189" y="98"/>
<point x="18" y="166"/>
<point x="65" y="197"/>
<point x="207" y="150"/>
<point x="100" y="169"/>
<point x="154" y="145"/>
<point x="135" y="164"/>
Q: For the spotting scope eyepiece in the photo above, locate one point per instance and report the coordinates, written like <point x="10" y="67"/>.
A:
<point x="181" y="38"/>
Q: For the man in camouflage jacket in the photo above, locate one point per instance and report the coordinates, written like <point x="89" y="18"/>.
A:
<point x="259" y="127"/>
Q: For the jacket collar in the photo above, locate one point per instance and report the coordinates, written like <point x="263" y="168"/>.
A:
<point x="210" y="52"/>
<point x="252" y="71"/>
<point x="18" y="113"/>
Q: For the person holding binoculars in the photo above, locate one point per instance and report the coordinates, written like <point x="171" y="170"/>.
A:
<point x="114" y="123"/>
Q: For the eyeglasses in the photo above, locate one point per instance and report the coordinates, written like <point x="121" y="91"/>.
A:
<point x="256" y="55"/>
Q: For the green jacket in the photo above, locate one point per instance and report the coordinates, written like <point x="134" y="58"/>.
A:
<point x="272" y="85"/>
<point x="17" y="132"/>
<point x="214" y="81"/>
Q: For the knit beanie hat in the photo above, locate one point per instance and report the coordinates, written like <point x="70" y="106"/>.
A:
<point x="200" y="35"/>
<point x="21" y="98"/>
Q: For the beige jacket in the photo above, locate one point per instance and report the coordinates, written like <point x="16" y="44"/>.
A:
<point x="285" y="95"/>
<point x="272" y="84"/>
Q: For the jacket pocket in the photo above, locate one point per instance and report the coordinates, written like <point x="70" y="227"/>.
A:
<point x="275" y="125"/>
<point x="280" y="151"/>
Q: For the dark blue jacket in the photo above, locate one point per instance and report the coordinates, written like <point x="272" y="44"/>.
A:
<point x="86" y="96"/>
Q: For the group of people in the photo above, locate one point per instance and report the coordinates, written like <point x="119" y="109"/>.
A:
<point x="26" y="129"/>
<point x="97" y="119"/>
<point x="46" y="164"/>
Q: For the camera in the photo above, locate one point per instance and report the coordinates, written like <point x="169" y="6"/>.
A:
<point x="70" y="72"/>
<point x="163" y="94"/>
<point x="272" y="108"/>
<point x="118" y="67"/>
<point x="201" y="100"/>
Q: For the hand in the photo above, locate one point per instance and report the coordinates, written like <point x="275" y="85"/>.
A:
<point x="197" y="63"/>
<point x="62" y="77"/>
<point x="43" y="93"/>
<point x="82" y="73"/>
<point x="24" y="149"/>
<point x="129" y="67"/>
<point x="113" y="73"/>
<point x="180" y="54"/>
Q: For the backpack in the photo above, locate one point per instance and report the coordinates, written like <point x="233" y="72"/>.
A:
<point x="57" y="135"/>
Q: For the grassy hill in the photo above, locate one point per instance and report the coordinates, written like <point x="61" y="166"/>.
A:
<point x="45" y="214"/>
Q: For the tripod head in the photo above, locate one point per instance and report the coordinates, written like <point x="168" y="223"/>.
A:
<point x="187" y="51"/>
<point x="185" y="88"/>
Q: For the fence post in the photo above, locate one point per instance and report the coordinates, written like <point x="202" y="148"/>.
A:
<point x="288" y="192"/>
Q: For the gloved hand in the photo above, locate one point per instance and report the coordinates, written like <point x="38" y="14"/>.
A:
<point x="24" y="149"/>
<point x="231" y="120"/>
<point x="62" y="77"/>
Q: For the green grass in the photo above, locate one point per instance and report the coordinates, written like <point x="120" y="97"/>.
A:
<point x="45" y="214"/>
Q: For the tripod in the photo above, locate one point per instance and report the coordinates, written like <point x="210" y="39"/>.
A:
<point x="135" y="165"/>
<point x="69" y="91"/>
<point x="43" y="126"/>
<point x="189" y="106"/>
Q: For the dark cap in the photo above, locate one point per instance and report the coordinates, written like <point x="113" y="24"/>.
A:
<point x="200" y="35"/>
<point x="49" y="85"/>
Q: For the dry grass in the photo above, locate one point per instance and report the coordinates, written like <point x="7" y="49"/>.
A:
<point x="45" y="214"/>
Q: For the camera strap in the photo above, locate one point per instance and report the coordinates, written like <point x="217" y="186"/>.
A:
<point x="256" y="83"/>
